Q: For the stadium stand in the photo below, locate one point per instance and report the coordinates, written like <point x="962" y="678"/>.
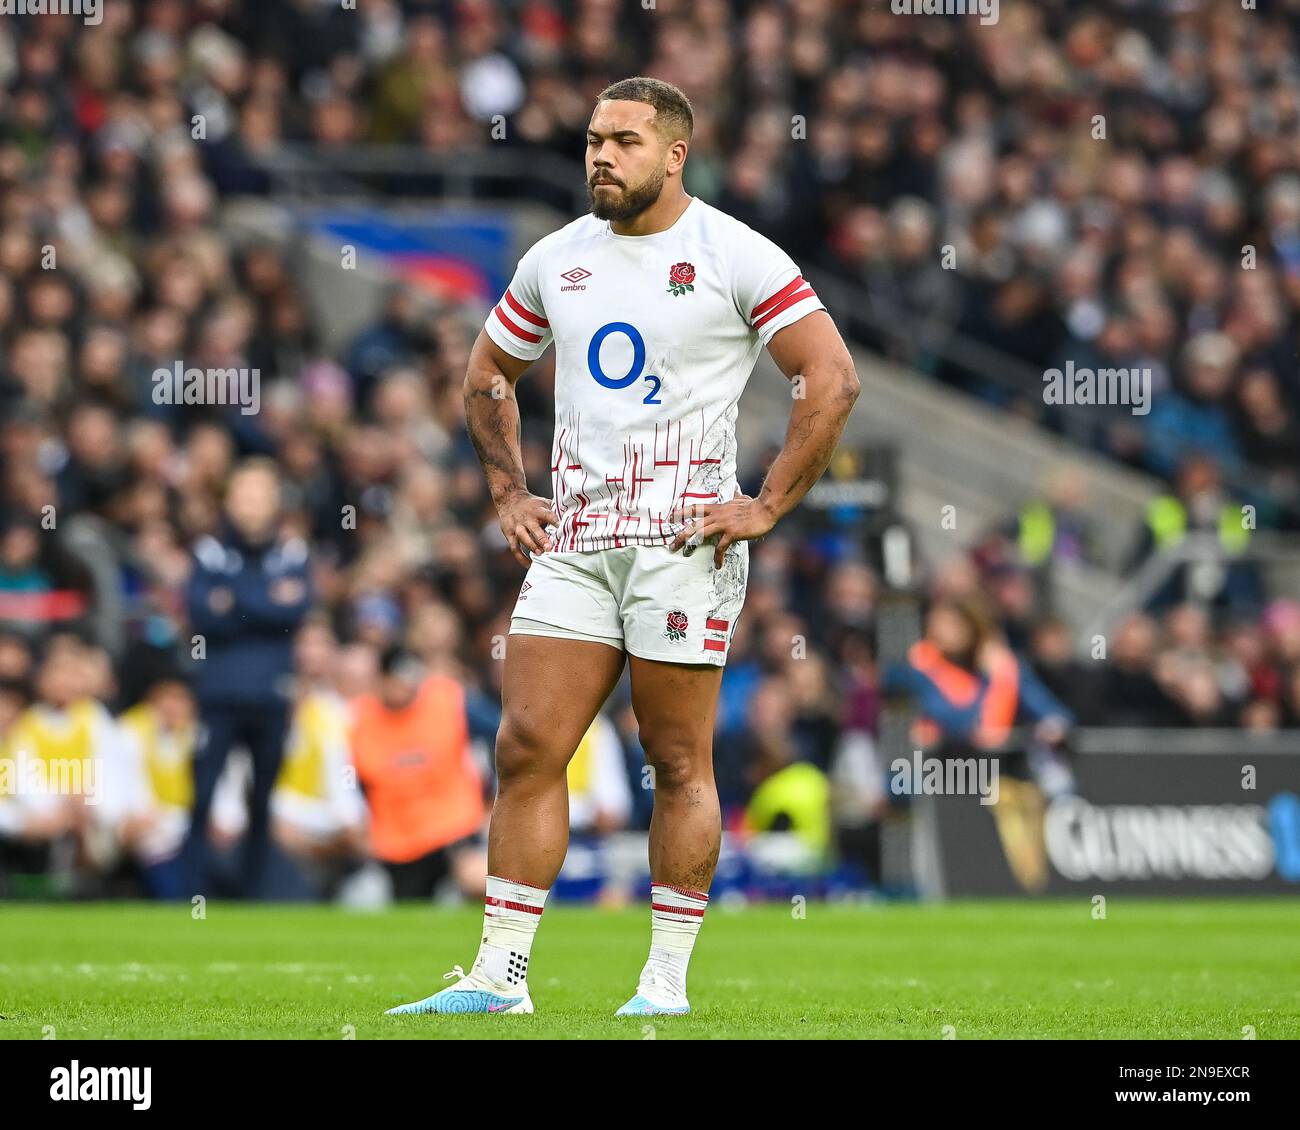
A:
<point x="330" y="197"/>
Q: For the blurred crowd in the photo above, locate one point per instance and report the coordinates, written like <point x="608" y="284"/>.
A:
<point x="1113" y="184"/>
<point x="921" y="133"/>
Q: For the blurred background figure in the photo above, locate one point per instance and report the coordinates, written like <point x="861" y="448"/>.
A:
<point x="69" y="796"/>
<point x="969" y="686"/>
<point x="40" y="825"/>
<point x="971" y="689"/>
<point x="410" y="744"/>
<point x="161" y="734"/>
<point x="1200" y="506"/>
<point x="318" y="811"/>
<point x="1057" y="528"/>
<point x="600" y="798"/>
<point x="249" y="591"/>
<point x="789" y="803"/>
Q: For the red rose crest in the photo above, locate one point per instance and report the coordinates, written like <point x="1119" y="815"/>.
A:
<point x="677" y="625"/>
<point x="681" y="278"/>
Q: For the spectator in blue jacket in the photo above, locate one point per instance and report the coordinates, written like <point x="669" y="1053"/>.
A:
<point x="970" y="690"/>
<point x="1199" y="419"/>
<point x="248" y="593"/>
<point x="969" y="686"/>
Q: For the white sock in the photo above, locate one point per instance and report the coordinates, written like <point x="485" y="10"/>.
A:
<point x="676" y="915"/>
<point x="511" y="914"/>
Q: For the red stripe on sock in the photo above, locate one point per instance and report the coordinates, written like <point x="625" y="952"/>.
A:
<point x="690" y="894"/>
<point x="490" y="901"/>
<point x="690" y="911"/>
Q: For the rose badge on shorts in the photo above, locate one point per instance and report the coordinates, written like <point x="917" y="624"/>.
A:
<point x="676" y="624"/>
<point x="681" y="279"/>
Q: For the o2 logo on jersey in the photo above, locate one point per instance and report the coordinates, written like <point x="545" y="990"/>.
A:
<point x="635" y="373"/>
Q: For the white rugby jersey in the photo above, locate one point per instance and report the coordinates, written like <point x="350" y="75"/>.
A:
<point x="655" y="338"/>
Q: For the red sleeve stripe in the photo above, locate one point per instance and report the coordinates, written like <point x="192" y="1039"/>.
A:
<point x="525" y="313"/>
<point x="712" y="625"/>
<point x="784" y="292"/>
<point x="785" y="303"/>
<point x="517" y="330"/>
<point x="714" y="645"/>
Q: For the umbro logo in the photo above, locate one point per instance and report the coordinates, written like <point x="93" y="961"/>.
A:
<point x="574" y="277"/>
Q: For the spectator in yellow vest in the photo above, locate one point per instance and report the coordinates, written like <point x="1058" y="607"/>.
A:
<point x="160" y="734"/>
<point x="318" y="812"/>
<point x="64" y="778"/>
<point x="1056" y="528"/>
<point x="1201" y="506"/>
<point x="600" y="798"/>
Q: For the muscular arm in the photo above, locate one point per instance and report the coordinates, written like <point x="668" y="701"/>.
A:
<point x="492" y="417"/>
<point x="812" y="352"/>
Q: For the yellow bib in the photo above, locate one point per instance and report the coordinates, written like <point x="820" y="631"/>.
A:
<point x="168" y="758"/>
<point x="62" y="736"/>
<point x="582" y="766"/>
<point x="318" y="722"/>
<point x="56" y="735"/>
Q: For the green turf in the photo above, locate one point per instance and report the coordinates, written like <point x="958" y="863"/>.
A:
<point x="1007" y="970"/>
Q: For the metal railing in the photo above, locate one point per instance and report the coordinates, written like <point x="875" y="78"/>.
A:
<point x="1197" y="549"/>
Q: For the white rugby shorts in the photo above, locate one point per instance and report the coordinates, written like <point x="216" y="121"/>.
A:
<point x="643" y="599"/>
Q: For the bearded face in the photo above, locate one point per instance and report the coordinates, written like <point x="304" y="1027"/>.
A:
<point x="613" y="199"/>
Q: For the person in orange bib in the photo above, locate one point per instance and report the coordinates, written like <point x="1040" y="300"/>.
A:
<point x="969" y="686"/>
<point x="410" y="745"/>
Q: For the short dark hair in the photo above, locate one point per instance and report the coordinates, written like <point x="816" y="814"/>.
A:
<point x="673" y="114"/>
<point x="398" y="660"/>
<point x="17" y="688"/>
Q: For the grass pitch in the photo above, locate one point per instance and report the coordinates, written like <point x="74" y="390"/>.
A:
<point x="989" y="970"/>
